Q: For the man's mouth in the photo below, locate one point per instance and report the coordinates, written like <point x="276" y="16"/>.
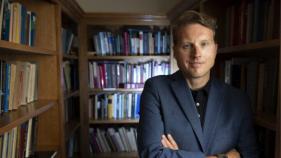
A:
<point x="195" y="64"/>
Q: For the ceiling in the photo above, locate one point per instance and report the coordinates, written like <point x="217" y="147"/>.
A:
<point x="127" y="6"/>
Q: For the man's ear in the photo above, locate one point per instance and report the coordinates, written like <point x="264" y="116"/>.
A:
<point x="216" y="47"/>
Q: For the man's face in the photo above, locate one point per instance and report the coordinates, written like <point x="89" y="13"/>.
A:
<point x="195" y="51"/>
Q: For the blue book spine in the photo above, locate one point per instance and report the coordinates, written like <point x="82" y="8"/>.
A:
<point x="7" y="87"/>
<point x="137" y="115"/>
<point x="23" y="25"/>
<point x="159" y="42"/>
<point x="1" y="84"/>
<point x="32" y="33"/>
<point x="6" y="21"/>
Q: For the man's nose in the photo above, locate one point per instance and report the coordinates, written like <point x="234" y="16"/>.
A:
<point x="196" y="51"/>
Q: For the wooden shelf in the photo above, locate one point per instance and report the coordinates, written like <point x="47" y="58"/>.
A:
<point x="126" y="19"/>
<point x="136" y="57"/>
<point x="46" y="154"/>
<point x="70" y="128"/>
<point x="15" y="48"/>
<point x="116" y="155"/>
<point x="15" y="118"/>
<point x="250" y="47"/>
<point x="68" y="57"/>
<point x="70" y="94"/>
<point x="122" y="121"/>
<point x="266" y="120"/>
<point x="114" y="90"/>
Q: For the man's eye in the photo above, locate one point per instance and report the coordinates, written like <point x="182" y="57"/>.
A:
<point x="187" y="46"/>
<point x="203" y="44"/>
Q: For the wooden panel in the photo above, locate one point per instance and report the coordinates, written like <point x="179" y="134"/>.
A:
<point x="61" y="108"/>
<point x="23" y="113"/>
<point x="125" y="19"/>
<point x="72" y="9"/>
<point x="48" y="78"/>
<point x="48" y="130"/>
<point x="83" y="79"/>
<point x="251" y="46"/>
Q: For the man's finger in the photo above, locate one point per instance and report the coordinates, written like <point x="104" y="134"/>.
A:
<point x="164" y="142"/>
<point x="168" y="144"/>
<point x="173" y="142"/>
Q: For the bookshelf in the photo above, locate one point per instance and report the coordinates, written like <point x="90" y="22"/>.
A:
<point x="43" y="105"/>
<point x="249" y="58"/>
<point x="113" y="24"/>
<point x="54" y="132"/>
<point x="69" y="77"/>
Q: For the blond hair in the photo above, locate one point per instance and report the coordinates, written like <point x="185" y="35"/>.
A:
<point x="193" y="17"/>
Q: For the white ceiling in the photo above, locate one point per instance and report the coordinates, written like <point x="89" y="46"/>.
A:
<point x="128" y="6"/>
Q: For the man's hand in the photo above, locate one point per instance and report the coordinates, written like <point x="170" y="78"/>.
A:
<point x="233" y="154"/>
<point x="169" y="142"/>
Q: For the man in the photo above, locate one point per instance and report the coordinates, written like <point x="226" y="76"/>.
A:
<point x="190" y="114"/>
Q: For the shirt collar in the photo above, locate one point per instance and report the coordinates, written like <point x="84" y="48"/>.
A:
<point x="204" y="89"/>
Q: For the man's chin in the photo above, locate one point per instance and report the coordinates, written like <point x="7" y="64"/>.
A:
<point x="196" y="75"/>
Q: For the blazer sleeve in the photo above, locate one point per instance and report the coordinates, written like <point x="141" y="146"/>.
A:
<point x="151" y="127"/>
<point x="247" y="144"/>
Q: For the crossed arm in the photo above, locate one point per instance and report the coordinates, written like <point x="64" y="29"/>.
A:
<point x="169" y="142"/>
<point x="151" y="128"/>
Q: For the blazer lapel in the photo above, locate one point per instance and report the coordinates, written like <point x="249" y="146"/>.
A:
<point x="214" y="105"/>
<point x="186" y="103"/>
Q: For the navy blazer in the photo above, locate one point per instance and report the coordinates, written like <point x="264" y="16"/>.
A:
<point x="167" y="107"/>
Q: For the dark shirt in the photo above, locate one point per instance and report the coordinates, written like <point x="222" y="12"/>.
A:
<point x="200" y="98"/>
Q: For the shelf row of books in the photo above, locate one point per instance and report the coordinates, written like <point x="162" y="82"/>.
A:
<point x="17" y="24"/>
<point x="117" y="74"/>
<point x="132" y="42"/>
<point x="113" y="140"/>
<point x="251" y="21"/>
<point x="114" y="106"/>
<point x="19" y="142"/>
<point x="70" y="75"/>
<point x="69" y="42"/>
<point x="257" y="77"/>
<point x="18" y="84"/>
